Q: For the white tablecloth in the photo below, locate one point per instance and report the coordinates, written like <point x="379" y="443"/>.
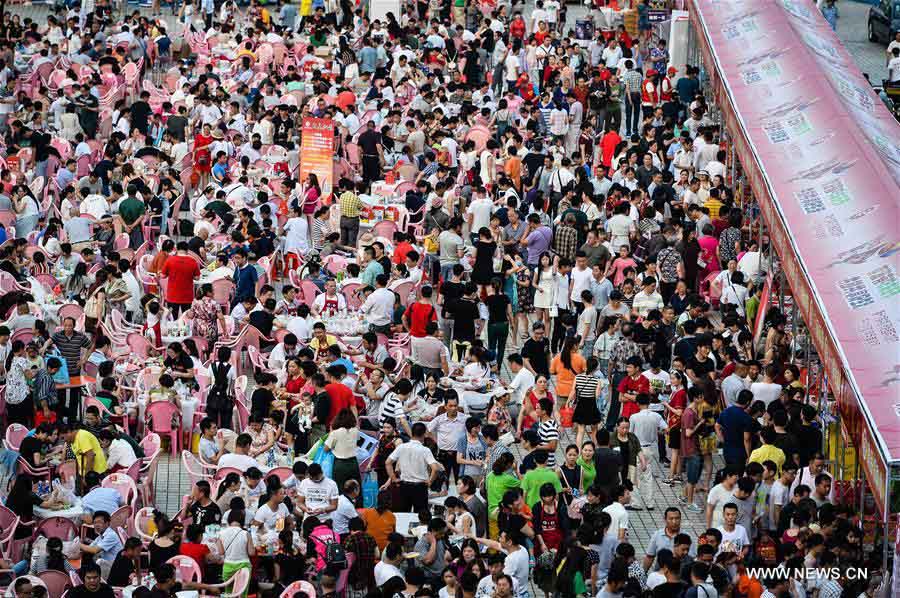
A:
<point x="74" y="512"/>
<point x="404" y="521"/>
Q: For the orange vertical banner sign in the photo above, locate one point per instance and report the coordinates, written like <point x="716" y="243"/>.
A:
<point x="317" y="152"/>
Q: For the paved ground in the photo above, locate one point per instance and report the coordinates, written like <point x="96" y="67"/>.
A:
<point x="869" y="57"/>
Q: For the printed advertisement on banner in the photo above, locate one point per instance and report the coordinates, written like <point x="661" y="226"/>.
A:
<point x="876" y="473"/>
<point x="317" y="152"/>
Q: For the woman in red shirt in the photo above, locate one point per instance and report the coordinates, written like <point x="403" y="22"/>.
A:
<point x="540" y="391"/>
<point x="675" y="406"/>
<point x="550" y="521"/>
<point x="202" y="155"/>
<point x="194" y="546"/>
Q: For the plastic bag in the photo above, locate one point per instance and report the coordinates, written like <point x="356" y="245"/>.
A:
<point x="62" y="375"/>
<point x="313" y="453"/>
<point x="370" y="490"/>
<point x="64" y="491"/>
<point x="326" y="460"/>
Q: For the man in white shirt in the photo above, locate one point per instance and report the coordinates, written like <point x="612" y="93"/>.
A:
<point x="767" y="390"/>
<point x="379" y="305"/>
<point x="119" y="454"/>
<point x="647" y="299"/>
<point x="581" y="276"/>
<point x="646" y="425"/>
<point x="735" y="383"/>
<point x="734" y="536"/>
<point x="520" y="385"/>
<point x="447" y="428"/>
<point x="240" y="459"/>
<point x="345" y="508"/>
<point x="894" y="66"/>
<point x="612" y="54"/>
<point x="135" y="291"/>
<point x="537" y="15"/>
<point x="617" y="510"/>
<point x="515" y="563"/>
<point x="479" y="211"/>
<point x="418" y="468"/>
<point x="488" y="584"/>
<point x="808" y="474"/>
<point x="317" y="495"/>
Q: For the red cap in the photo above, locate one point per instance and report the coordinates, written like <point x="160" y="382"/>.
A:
<point x="651" y="72"/>
<point x="672" y="70"/>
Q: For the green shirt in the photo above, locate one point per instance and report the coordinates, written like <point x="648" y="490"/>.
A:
<point x="368" y="275"/>
<point x="131" y="209"/>
<point x="751" y="307"/>
<point x="534" y="479"/>
<point x="497" y="485"/>
<point x="588" y="472"/>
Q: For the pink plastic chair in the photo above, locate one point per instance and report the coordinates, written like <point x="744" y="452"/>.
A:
<point x="57" y="582"/>
<point x="120" y="518"/>
<point x="243" y="414"/>
<point x="22" y="334"/>
<point x="141" y="524"/>
<point x="70" y="310"/>
<point x="35" y="472"/>
<point x="403" y="290"/>
<point x="385" y="228"/>
<point x="160" y="415"/>
<point x="9" y="521"/>
<point x="14" y="435"/>
<point x="335" y="263"/>
<point x="349" y="292"/>
<point x="224" y="471"/>
<point x="299" y="589"/>
<point x="309" y="291"/>
<point x="194" y="468"/>
<point x="139" y="345"/>
<point x="223" y="291"/>
<point x="56" y="527"/>
<point x="125" y="486"/>
<point x="186" y="569"/>
<point x="283" y="473"/>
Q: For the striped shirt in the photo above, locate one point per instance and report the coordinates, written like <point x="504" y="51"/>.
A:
<point x="548" y="431"/>
<point x="70" y="348"/>
<point x="586" y="387"/>
<point x="391" y="408"/>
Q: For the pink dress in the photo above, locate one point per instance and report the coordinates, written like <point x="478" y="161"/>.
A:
<point x="311" y="201"/>
<point x="708" y="246"/>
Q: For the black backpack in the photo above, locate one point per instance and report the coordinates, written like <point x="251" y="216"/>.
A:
<point x="218" y="399"/>
<point x="335" y="555"/>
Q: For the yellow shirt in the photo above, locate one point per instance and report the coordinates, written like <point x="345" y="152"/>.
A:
<point x="85" y="442"/>
<point x="768" y="452"/>
<point x="713" y="205"/>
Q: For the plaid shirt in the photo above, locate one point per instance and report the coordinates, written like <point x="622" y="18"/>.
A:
<point x="622" y="351"/>
<point x="565" y="242"/>
<point x="494" y="453"/>
<point x="632" y="80"/>
<point x="350" y="204"/>
<point x="830" y="589"/>
<point x="362" y="574"/>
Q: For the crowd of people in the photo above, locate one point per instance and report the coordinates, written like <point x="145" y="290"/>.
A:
<point x="468" y="401"/>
